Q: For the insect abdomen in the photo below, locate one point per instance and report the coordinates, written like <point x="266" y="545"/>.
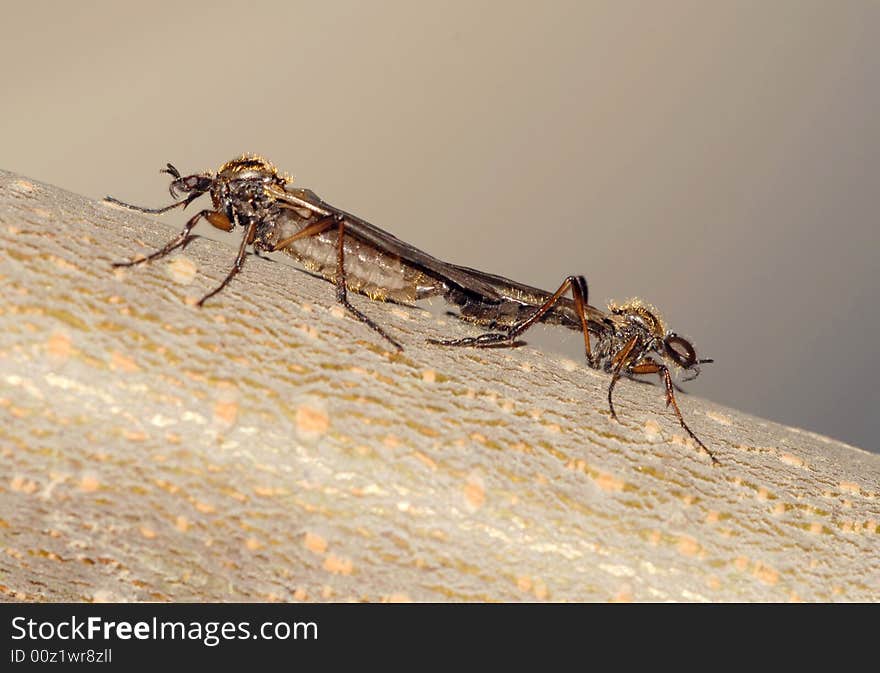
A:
<point x="367" y="270"/>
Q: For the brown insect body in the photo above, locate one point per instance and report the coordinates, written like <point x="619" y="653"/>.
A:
<point x="380" y="275"/>
<point x="628" y="340"/>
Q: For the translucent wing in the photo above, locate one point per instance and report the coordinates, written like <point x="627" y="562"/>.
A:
<point x="455" y="276"/>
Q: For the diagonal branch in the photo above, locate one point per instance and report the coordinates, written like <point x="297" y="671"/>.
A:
<point x="267" y="446"/>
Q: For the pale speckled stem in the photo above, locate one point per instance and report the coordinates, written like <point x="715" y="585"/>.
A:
<point x="269" y="447"/>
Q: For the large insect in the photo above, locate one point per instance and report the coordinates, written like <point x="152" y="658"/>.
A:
<point x="274" y="215"/>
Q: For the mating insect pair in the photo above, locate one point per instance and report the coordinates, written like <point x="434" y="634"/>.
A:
<point x="249" y="192"/>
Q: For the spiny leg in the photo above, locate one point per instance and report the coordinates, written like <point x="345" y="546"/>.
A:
<point x="155" y="211"/>
<point x="670" y="399"/>
<point x="341" y="290"/>
<point x="179" y="241"/>
<point x="481" y="341"/>
<point x="317" y="227"/>
<point x="649" y="366"/>
<point x="239" y="262"/>
<point x="617" y="362"/>
<point x="578" y="286"/>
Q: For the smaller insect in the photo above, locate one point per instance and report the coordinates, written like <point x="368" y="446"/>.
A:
<point x="630" y="339"/>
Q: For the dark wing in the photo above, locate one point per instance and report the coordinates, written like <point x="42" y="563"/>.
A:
<point x="508" y="289"/>
<point x="526" y="294"/>
<point x="458" y="276"/>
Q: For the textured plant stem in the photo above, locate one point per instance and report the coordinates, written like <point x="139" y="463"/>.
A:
<point x="268" y="447"/>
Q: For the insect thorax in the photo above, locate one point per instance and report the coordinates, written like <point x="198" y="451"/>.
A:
<point x="248" y="166"/>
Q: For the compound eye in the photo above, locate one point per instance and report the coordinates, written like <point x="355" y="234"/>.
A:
<point x="680" y="350"/>
<point x="189" y="184"/>
<point x="196" y="183"/>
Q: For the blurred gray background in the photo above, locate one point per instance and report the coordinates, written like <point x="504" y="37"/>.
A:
<point x="718" y="159"/>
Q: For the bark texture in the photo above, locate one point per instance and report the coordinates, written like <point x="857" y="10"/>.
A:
<point x="268" y="447"/>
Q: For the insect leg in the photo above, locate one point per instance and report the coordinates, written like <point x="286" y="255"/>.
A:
<point x="179" y="241"/>
<point x="154" y="211"/>
<point x="649" y="366"/>
<point x="618" y="362"/>
<point x="318" y="227"/>
<point x="239" y="262"/>
<point x="341" y="290"/>
<point x="315" y="228"/>
<point x="579" y="291"/>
